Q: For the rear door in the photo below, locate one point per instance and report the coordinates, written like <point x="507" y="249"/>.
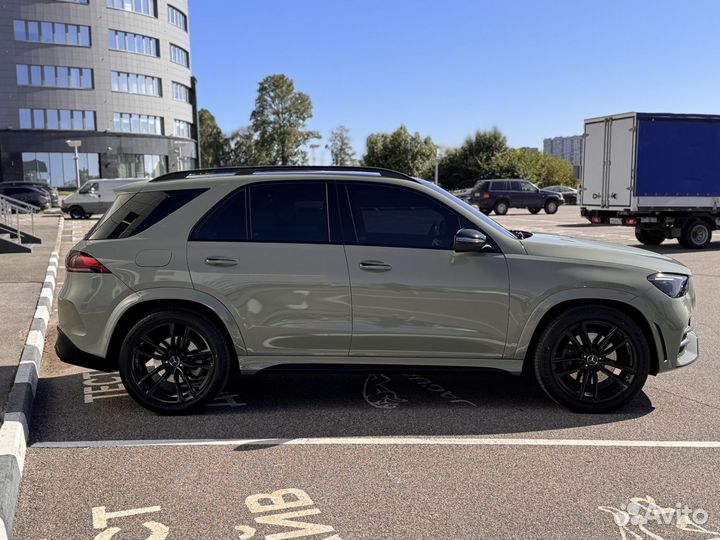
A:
<point x="622" y="158"/>
<point x="268" y="253"/>
<point x="593" y="172"/>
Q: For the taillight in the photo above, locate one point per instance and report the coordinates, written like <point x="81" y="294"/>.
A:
<point x="77" y="261"/>
<point x="486" y="195"/>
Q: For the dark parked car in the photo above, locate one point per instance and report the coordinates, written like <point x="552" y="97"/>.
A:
<point x="569" y="194"/>
<point x="500" y="195"/>
<point x="28" y="194"/>
<point x="51" y="191"/>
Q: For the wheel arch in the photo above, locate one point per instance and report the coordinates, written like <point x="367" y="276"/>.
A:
<point x="211" y="308"/>
<point x="654" y="338"/>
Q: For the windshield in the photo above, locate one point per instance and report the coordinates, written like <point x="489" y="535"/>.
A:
<point x="477" y="213"/>
<point x="88" y="188"/>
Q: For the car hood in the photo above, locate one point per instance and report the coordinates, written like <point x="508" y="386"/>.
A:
<point x="563" y="247"/>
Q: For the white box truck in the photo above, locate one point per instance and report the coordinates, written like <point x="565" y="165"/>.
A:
<point x="658" y="173"/>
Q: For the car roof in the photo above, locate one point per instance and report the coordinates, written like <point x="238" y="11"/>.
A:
<point x="284" y="172"/>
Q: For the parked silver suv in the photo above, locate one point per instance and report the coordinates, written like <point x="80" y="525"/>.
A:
<point x="198" y="274"/>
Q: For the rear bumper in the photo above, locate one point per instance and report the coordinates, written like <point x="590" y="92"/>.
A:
<point x="71" y="354"/>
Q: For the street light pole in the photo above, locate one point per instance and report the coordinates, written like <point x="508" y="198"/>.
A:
<point x="76" y="157"/>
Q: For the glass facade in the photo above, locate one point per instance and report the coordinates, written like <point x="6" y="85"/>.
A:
<point x="57" y="119"/>
<point x="141" y="165"/>
<point x="135" y="83"/>
<point x="54" y="76"/>
<point x="52" y="33"/>
<point x="176" y="17"/>
<point x="143" y="7"/>
<point x="180" y="92"/>
<point x="58" y="169"/>
<point x="179" y="55"/>
<point x="133" y="43"/>
<point x="183" y="129"/>
<point x="138" y="123"/>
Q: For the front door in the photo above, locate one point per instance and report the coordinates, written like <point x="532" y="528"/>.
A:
<point x="412" y="295"/>
<point x="530" y="195"/>
<point x="266" y="251"/>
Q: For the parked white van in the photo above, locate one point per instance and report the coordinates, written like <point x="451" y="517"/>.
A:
<point x="94" y="197"/>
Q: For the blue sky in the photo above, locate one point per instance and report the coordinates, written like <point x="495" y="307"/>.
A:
<point x="446" y="68"/>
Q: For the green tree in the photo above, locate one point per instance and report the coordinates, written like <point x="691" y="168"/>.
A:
<point x="401" y="151"/>
<point x="340" y="146"/>
<point x="541" y="169"/>
<point x="278" y="122"/>
<point x="480" y="156"/>
<point x="241" y="149"/>
<point x="212" y="141"/>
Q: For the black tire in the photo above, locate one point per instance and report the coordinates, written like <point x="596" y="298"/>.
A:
<point x="501" y="208"/>
<point x="486" y="211"/>
<point x="164" y="366"/>
<point x="87" y="216"/>
<point x="572" y="359"/>
<point x="534" y="210"/>
<point x="76" y="212"/>
<point x="696" y="234"/>
<point x="551" y="206"/>
<point x="649" y="237"/>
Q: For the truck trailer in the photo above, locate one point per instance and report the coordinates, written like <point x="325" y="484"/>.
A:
<point x="656" y="172"/>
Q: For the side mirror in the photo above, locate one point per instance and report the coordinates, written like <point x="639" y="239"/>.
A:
<point x="470" y="240"/>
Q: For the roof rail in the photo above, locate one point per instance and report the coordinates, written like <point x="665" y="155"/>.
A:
<point x="243" y="171"/>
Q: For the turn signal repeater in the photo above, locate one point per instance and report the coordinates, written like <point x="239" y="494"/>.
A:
<point x="78" y="261"/>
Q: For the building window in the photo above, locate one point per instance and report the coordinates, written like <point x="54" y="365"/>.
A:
<point x="52" y="33"/>
<point x="179" y="55"/>
<point x="135" y="83"/>
<point x="133" y="43"/>
<point x="185" y="163"/>
<point x="183" y="129"/>
<point x="54" y="76"/>
<point x="58" y="169"/>
<point x="180" y="92"/>
<point x="138" y="123"/>
<point x="57" y="119"/>
<point x="176" y="18"/>
<point x="143" y="7"/>
<point x="141" y="165"/>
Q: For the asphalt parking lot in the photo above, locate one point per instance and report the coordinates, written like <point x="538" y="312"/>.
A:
<point x="395" y="454"/>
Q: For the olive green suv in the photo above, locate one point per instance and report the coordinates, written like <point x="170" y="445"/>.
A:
<point x="196" y="276"/>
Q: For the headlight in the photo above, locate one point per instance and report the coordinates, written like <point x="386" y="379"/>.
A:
<point x="674" y="285"/>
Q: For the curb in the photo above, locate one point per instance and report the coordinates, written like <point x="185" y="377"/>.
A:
<point x="15" y="431"/>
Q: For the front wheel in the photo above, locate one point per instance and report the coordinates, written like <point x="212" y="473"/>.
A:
<point x="174" y="361"/>
<point x="551" y="207"/>
<point x="76" y="212"/>
<point x="696" y="235"/>
<point x="592" y="359"/>
<point x="649" y="237"/>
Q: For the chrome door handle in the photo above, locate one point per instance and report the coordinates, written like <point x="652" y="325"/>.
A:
<point x="375" y="266"/>
<point x="221" y="261"/>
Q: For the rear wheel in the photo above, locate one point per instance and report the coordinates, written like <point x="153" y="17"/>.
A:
<point x="551" y="206"/>
<point x="592" y="359"/>
<point x="649" y="237"/>
<point x="534" y="210"/>
<point x="174" y="361"/>
<point x="501" y="208"/>
<point x="76" y="212"/>
<point x="696" y="234"/>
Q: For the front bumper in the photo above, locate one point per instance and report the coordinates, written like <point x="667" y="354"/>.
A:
<point x="70" y="354"/>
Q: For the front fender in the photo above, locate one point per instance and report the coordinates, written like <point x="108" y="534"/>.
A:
<point x="517" y="346"/>
<point x="176" y="294"/>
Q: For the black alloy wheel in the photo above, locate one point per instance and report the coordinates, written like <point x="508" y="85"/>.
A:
<point x="174" y="361"/>
<point x="592" y="359"/>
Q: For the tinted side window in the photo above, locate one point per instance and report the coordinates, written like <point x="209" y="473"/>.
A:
<point x="500" y="186"/>
<point x="289" y="212"/>
<point x="131" y="214"/>
<point x="226" y="222"/>
<point x="399" y="217"/>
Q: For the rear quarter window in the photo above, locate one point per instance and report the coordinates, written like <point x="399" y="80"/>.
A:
<point x="132" y="213"/>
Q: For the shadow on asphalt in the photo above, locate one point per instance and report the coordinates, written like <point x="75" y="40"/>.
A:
<point x="315" y="404"/>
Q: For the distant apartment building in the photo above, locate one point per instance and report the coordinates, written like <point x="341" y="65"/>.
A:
<point x="111" y="75"/>
<point x="567" y="148"/>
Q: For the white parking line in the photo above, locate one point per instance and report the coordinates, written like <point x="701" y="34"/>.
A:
<point x="383" y="441"/>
